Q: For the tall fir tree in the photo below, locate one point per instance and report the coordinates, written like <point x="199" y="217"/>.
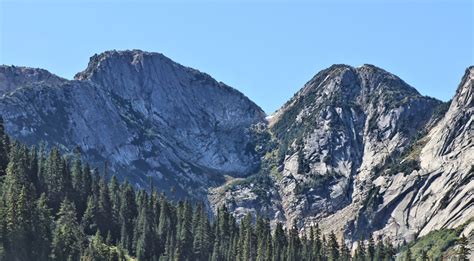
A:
<point x="68" y="238"/>
<point x="463" y="250"/>
<point x="279" y="243"/>
<point x="89" y="222"/>
<point x="43" y="230"/>
<point x="127" y="214"/>
<point x="4" y="148"/>
<point x="333" y="247"/>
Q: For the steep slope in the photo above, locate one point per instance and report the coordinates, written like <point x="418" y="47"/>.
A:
<point x="347" y="157"/>
<point x="144" y="114"/>
<point x="441" y="194"/>
<point x="356" y="150"/>
<point x="12" y="77"/>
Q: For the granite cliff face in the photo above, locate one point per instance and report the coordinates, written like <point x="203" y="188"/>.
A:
<point x="356" y="150"/>
<point x="359" y="151"/>
<point x="144" y="114"/>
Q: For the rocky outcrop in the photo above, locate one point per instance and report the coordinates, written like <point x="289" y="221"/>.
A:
<point x="12" y="78"/>
<point x="360" y="152"/>
<point x="357" y="150"/>
<point x="144" y="114"/>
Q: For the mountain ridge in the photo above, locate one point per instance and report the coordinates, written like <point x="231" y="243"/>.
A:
<point x="347" y="151"/>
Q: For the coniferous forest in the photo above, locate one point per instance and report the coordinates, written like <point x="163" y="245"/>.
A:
<point x="54" y="207"/>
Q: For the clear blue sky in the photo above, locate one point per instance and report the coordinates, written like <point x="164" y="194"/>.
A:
<point x="265" y="49"/>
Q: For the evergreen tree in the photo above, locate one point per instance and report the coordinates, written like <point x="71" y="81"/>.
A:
<point x="185" y="238"/>
<point x="424" y="256"/>
<point x="78" y="197"/>
<point x="360" y="254"/>
<point x="97" y="250"/>
<point x="279" y="243"/>
<point x="407" y="256"/>
<point x="389" y="251"/>
<point x="4" y="148"/>
<point x="333" y="247"/>
<point x="247" y="237"/>
<point x="18" y="206"/>
<point x="202" y="239"/>
<point x="370" y="249"/>
<point x="263" y="235"/>
<point x="68" y="239"/>
<point x="43" y="230"/>
<point x="294" y="244"/>
<point x="89" y="220"/>
<point x="379" y="251"/>
<point x="145" y="233"/>
<point x="318" y="245"/>
<point x="463" y="250"/>
<point x="105" y="220"/>
<point x="345" y="252"/>
<point x="57" y="179"/>
<point x="127" y="214"/>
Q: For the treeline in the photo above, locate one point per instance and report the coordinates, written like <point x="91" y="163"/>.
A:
<point x="57" y="208"/>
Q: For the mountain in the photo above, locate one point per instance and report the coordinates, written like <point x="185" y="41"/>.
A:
<point x="357" y="150"/>
<point x="142" y="113"/>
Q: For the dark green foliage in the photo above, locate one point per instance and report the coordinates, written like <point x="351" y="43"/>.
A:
<point x="52" y="208"/>
<point x="434" y="244"/>
<point x="4" y="148"/>
<point x="68" y="238"/>
<point x="463" y="251"/>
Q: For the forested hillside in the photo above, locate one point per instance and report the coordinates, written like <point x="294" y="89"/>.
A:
<point x="55" y="207"/>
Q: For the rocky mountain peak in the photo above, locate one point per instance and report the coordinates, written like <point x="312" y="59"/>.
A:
<point x="465" y="91"/>
<point x="13" y="77"/>
<point x="147" y="116"/>
<point x="110" y="61"/>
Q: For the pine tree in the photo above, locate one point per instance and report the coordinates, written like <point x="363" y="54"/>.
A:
<point x="86" y="182"/>
<point x="279" y="243"/>
<point x="165" y="224"/>
<point x="202" y="239"/>
<point x="294" y="244"/>
<point x="185" y="238"/>
<point x="262" y="232"/>
<point x="424" y="256"/>
<point x="57" y="179"/>
<point x="43" y="230"/>
<point x="407" y="256"/>
<point x="247" y="237"/>
<point x="333" y="247"/>
<point x="389" y="250"/>
<point x="318" y="245"/>
<point x="105" y="220"/>
<point x="370" y="249"/>
<point x="68" y="239"/>
<point x="145" y="233"/>
<point x="360" y="254"/>
<point x="463" y="250"/>
<point x="4" y="148"/>
<point x="89" y="220"/>
<point x="18" y="205"/>
<point x="127" y="214"/>
<point x="79" y="199"/>
<point x="379" y="251"/>
<point x="345" y="252"/>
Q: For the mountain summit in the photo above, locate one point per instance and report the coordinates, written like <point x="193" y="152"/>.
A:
<point x="356" y="150"/>
<point x="144" y="114"/>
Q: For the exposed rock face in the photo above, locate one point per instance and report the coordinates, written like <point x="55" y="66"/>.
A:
<point x="143" y="113"/>
<point x="360" y="152"/>
<point x="12" y="77"/>
<point x="356" y="150"/>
